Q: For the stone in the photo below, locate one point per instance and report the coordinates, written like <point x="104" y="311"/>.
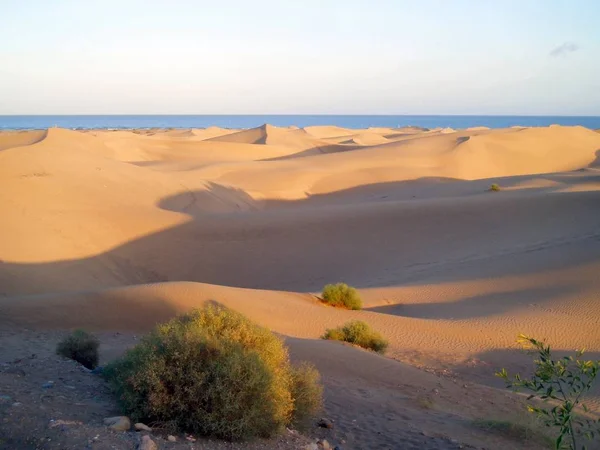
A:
<point x="147" y="444"/>
<point x="118" y="423"/>
<point x="312" y="446"/>
<point x="323" y="444"/>
<point x="142" y="427"/>
<point x="48" y="385"/>
<point x="171" y="438"/>
<point x="325" y="423"/>
<point x="63" y="423"/>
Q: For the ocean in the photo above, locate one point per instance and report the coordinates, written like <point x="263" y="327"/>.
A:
<point x="251" y="121"/>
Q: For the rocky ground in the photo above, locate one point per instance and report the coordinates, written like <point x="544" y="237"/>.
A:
<point x="51" y="403"/>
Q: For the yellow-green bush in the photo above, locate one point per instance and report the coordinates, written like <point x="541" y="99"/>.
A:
<point x="358" y="333"/>
<point x="342" y="295"/>
<point x="307" y="393"/>
<point x="214" y="372"/>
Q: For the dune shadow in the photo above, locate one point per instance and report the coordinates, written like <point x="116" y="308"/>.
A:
<point x="481" y="367"/>
<point x="319" y="150"/>
<point x="377" y="244"/>
<point x="23" y="138"/>
<point x="596" y="162"/>
<point x="485" y="305"/>
<point x="94" y="310"/>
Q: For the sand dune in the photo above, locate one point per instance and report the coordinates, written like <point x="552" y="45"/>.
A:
<point x="261" y="219"/>
<point x="10" y="139"/>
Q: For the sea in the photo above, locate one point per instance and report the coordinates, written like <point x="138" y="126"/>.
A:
<point x="78" y="122"/>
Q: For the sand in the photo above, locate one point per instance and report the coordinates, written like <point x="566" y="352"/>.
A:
<point x="119" y="230"/>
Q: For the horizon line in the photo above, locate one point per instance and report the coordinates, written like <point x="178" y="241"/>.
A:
<point x="302" y="115"/>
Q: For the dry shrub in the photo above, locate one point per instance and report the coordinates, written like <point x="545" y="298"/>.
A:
<point x="214" y="372"/>
<point x="358" y="333"/>
<point x="342" y="295"/>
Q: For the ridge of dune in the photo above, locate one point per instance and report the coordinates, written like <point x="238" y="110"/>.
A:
<point x="463" y="155"/>
<point x="366" y="139"/>
<point x="212" y="132"/>
<point x="256" y="135"/>
<point x="11" y="139"/>
<point x="327" y="131"/>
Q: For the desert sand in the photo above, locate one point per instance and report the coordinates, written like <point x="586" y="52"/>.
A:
<point x="115" y="231"/>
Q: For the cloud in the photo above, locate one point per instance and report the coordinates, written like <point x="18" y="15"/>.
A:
<point x="564" y="49"/>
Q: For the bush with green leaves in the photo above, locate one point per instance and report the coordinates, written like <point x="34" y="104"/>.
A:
<point x="563" y="382"/>
<point x="358" y="333"/>
<point x="342" y="295"/>
<point x="494" y="187"/>
<point x="307" y="393"/>
<point x="80" y="346"/>
<point x="214" y="372"/>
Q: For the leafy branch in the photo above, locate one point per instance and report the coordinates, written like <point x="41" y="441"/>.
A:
<point x="565" y="381"/>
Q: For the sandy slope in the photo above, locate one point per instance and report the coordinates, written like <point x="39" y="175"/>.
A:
<point x="449" y="271"/>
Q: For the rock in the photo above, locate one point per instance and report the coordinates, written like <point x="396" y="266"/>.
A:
<point x="62" y="423"/>
<point x="324" y="444"/>
<point x="17" y="404"/>
<point x="147" y="444"/>
<point x="171" y="438"/>
<point x="325" y="423"/>
<point x="48" y="385"/>
<point x="312" y="446"/>
<point x="98" y="370"/>
<point x="142" y="427"/>
<point x="118" y="423"/>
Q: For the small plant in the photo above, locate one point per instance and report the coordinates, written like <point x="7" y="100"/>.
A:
<point x="342" y="295"/>
<point x="214" y="372"/>
<point x="564" y="381"/>
<point x="80" y="346"/>
<point x="358" y="333"/>
<point x="494" y="187"/>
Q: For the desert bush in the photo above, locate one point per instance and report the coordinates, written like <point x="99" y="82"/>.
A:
<point x="80" y="346"/>
<point x="564" y="382"/>
<point x="307" y="393"/>
<point x="214" y="372"/>
<point x="358" y="333"/>
<point x="494" y="187"/>
<point x="342" y="295"/>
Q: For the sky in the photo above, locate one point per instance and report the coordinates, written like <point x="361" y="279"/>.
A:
<point x="513" y="57"/>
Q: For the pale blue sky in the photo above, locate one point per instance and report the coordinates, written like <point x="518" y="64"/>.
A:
<point x="300" y="57"/>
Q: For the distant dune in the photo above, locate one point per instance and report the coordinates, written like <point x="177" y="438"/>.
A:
<point x="117" y="230"/>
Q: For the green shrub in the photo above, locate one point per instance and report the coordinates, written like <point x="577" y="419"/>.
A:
<point x="214" y="372"/>
<point x="307" y="393"/>
<point x="494" y="187"/>
<point x="565" y="381"/>
<point x="80" y="346"/>
<point x="358" y="333"/>
<point x="342" y="295"/>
